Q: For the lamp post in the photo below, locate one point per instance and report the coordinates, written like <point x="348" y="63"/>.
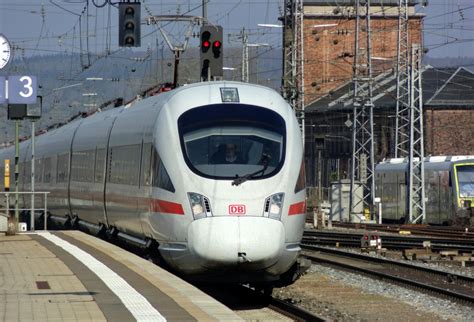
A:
<point x="245" y="57"/>
<point x="232" y="69"/>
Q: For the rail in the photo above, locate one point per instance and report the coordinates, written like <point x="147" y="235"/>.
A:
<point x="389" y="240"/>
<point x="287" y="309"/>
<point x="45" y="208"/>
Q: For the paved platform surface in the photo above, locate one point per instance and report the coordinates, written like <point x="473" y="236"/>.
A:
<point x="72" y="276"/>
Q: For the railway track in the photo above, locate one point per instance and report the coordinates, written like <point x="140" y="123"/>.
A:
<point x="240" y="298"/>
<point x="389" y="241"/>
<point x="453" y="286"/>
<point x="415" y="229"/>
<point x="292" y="311"/>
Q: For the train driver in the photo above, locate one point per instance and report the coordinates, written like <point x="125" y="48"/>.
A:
<point x="227" y="153"/>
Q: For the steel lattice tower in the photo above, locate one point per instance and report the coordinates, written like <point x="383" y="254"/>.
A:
<point x="362" y="174"/>
<point x="409" y="116"/>
<point x="293" y="59"/>
<point x="416" y="179"/>
<point x="402" y="121"/>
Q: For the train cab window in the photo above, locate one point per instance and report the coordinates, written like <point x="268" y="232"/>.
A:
<point x="465" y="180"/>
<point x="225" y="141"/>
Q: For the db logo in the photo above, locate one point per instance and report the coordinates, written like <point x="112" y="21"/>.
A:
<point x="236" y="209"/>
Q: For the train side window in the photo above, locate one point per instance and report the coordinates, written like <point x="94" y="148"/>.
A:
<point x="300" y="182"/>
<point x="99" y="165"/>
<point x="47" y="170"/>
<point x="81" y="162"/>
<point x="38" y="170"/>
<point x="161" y="179"/>
<point x="63" y="168"/>
<point x="27" y="172"/>
<point x="125" y="163"/>
<point x="146" y="165"/>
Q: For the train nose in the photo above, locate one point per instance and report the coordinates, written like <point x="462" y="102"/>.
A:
<point x="251" y="242"/>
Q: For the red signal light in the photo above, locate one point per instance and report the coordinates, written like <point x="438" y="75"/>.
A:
<point x="206" y="44"/>
<point x="217" y="44"/>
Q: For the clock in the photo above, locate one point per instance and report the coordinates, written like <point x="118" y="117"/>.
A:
<point x="5" y="51"/>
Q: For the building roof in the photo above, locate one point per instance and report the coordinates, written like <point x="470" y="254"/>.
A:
<point x="352" y="2"/>
<point x="442" y="88"/>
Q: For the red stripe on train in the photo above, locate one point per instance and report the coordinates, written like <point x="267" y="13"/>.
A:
<point x="167" y="207"/>
<point x="297" y="209"/>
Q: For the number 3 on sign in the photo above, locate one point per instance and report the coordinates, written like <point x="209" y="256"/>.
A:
<point x="22" y="89"/>
<point x="27" y="82"/>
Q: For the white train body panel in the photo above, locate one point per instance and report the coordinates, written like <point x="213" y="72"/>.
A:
<point x="141" y="169"/>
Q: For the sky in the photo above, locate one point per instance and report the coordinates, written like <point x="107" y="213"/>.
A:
<point x="50" y="26"/>
<point x="57" y="23"/>
<point x="47" y="27"/>
<point x="449" y="28"/>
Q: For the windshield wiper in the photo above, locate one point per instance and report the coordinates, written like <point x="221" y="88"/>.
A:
<point x="265" y="160"/>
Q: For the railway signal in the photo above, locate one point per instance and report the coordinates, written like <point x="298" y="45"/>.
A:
<point x="211" y="52"/>
<point x="129" y="24"/>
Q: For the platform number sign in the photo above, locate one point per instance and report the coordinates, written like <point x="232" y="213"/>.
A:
<point x="22" y="89"/>
<point x="18" y="89"/>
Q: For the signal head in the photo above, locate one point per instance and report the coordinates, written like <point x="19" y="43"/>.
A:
<point x="129" y="24"/>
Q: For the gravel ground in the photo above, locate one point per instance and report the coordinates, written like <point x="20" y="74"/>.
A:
<point x="416" y="306"/>
<point x="447" y="265"/>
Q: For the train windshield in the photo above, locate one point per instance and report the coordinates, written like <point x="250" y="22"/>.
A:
<point x="465" y="180"/>
<point x="226" y="141"/>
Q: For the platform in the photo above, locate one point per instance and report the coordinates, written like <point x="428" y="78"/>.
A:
<point x="72" y="276"/>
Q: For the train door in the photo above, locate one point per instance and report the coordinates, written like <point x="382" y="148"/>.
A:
<point x="89" y="149"/>
<point x="445" y="196"/>
<point x="121" y="192"/>
<point x="145" y="187"/>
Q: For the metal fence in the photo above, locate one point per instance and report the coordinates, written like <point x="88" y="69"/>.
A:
<point x="8" y="195"/>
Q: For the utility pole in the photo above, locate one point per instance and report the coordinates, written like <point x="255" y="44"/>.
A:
<point x="32" y="215"/>
<point x="245" y="56"/>
<point x="416" y="167"/>
<point x="293" y="59"/>
<point x="204" y="11"/>
<point x="402" y="120"/>
<point x="17" y="172"/>
<point x="179" y="48"/>
<point x="362" y="174"/>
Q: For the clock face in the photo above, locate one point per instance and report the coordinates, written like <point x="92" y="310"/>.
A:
<point x="5" y="51"/>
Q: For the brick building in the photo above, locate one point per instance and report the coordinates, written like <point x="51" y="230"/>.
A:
<point x="329" y="39"/>
<point x="448" y="94"/>
<point x="448" y="102"/>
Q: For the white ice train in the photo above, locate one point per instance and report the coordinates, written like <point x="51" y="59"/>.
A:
<point x="159" y="173"/>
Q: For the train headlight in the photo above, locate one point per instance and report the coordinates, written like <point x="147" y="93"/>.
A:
<point x="200" y="205"/>
<point x="273" y="206"/>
